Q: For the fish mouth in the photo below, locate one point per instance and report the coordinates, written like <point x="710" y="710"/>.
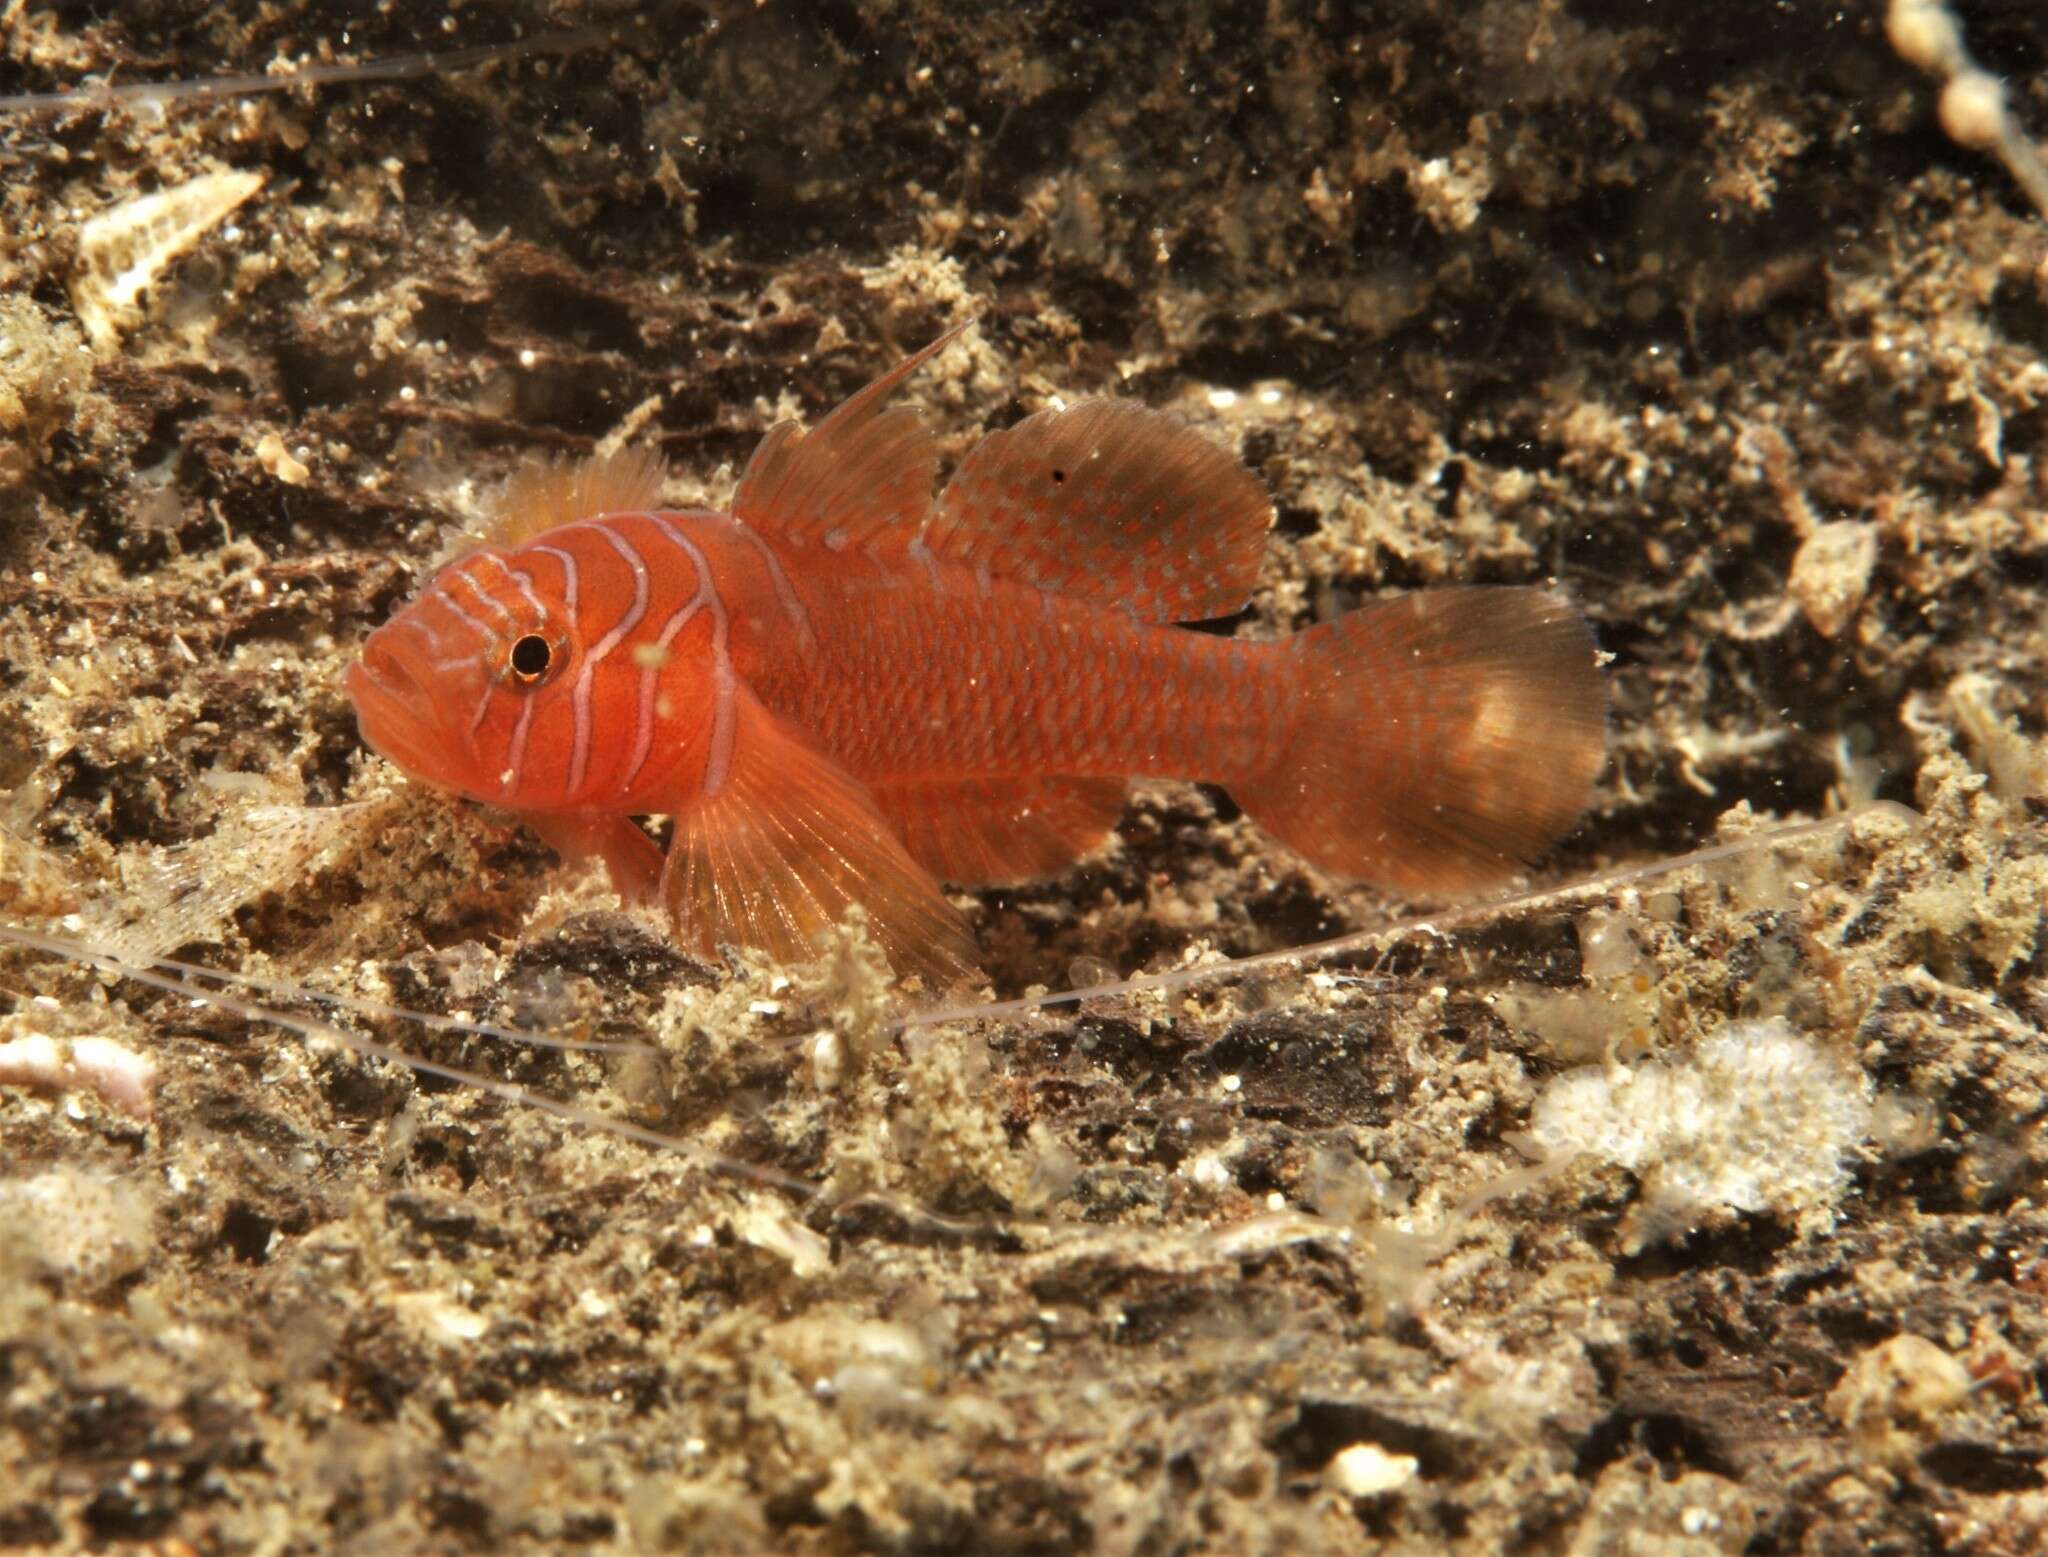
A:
<point x="393" y="711"/>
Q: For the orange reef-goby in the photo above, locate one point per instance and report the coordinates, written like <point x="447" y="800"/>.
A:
<point x="845" y="690"/>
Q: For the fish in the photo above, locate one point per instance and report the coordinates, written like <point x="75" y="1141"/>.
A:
<point x="844" y="691"/>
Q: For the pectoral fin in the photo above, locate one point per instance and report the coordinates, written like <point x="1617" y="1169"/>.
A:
<point x="785" y="844"/>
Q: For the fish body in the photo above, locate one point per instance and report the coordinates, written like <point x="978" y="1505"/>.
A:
<point x="845" y="692"/>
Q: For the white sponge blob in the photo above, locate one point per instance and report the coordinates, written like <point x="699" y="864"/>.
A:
<point x="1759" y="1118"/>
<point x="79" y="1225"/>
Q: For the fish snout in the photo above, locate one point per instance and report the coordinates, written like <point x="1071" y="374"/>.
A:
<point x="399" y="709"/>
<point x="381" y="666"/>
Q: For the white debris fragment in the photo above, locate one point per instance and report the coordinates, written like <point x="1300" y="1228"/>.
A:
<point x="1758" y="1119"/>
<point x="122" y="250"/>
<point x="820" y="1343"/>
<point x="827" y="1054"/>
<point x="279" y="462"/>
<point x="1365" y="1470"/>
<point x="768" y="1224"/>
<point x="1831" y="574"/>
<point x="1894" y="1396"/>
<point x="1607" y="948"/>
<point x="114" y="1073"/>
<point x="438" y="1317"/>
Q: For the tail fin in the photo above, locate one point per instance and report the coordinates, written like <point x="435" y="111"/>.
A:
<point x="1444" y="738"/>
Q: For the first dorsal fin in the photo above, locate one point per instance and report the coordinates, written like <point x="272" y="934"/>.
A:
<point x="865" y="470"/>
<point x="1109" y="500"/>
<point x="548" y="493"/>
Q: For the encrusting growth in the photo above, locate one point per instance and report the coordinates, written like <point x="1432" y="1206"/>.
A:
<point x="845" y="691"/>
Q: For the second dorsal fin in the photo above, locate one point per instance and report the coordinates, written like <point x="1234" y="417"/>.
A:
<point x="1109" y="500"/>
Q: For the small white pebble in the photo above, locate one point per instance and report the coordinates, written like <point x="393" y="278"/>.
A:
<point x="1366" y="1470"/>
<point x="767" y="1224"/>
<point x="278" y="462"/>
<point x="828" y="1060"/>
<point x="1973" y="110"/>
<point x="438" y="1317"/>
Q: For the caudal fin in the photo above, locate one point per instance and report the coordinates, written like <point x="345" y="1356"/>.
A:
<point x="1444" y="738"/>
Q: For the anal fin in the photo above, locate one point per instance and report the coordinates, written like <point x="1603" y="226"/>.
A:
<point x="786" y="845"/>
<point x="988" y="832"/>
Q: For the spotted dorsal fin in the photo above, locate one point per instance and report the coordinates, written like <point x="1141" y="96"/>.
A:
<point x="1109" y="500"/>
<point x="547" y="493"/>
<point x="863" y="473"/>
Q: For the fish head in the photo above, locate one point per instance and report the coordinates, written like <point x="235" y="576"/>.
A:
<point x="465" y="685"/>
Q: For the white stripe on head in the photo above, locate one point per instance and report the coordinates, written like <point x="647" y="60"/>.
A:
<point x="521" y="581"/>
<point x="484" y="597"/>
<point x="569" y="576"/>
<point x="440" y="594"/>
<point x="515" y="753"/>
<point x="579" y="759"/>
<point x="718" y="762"/>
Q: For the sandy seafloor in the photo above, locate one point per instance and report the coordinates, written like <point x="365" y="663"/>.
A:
<point x="1690" y="307"/>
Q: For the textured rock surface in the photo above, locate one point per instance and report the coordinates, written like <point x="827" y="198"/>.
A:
<point x="1708" y="321"/>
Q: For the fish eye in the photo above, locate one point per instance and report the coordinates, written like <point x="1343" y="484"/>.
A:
<point x="531" y="655"/>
